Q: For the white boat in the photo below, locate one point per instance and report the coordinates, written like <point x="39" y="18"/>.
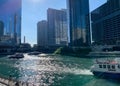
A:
<point x="106" y="69"/>
<point x="42" y="55"/>
<point x="16" y="56"/>
<point x="45" y="55"/>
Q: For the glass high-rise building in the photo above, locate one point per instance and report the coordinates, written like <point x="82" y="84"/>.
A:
<point x="78" y="12"/>
<point x="57" y="27"/>
<point x="10" y="15"/>
<point x="106" y="23"/>
<point x="42" y="33"/>
<point x="1" y="28"/>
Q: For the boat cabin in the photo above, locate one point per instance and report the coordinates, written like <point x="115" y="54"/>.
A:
<point x="106" y="66"/>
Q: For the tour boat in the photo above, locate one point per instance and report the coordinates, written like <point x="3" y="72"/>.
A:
<point x="106" y="69"/>
<point x="16" y="56"/>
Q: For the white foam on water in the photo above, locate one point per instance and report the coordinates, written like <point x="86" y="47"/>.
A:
<point x="35" y="57"/>
<point x="78" y="71"/>
<point x="46" y="65"/>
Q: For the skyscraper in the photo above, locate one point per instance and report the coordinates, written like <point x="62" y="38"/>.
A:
<point x="78" y="11"/>
<point x="106" y="23"/>
<point x="42" y="33"/>
<point x="10" y="14"/>
<point x="1" y="29"/>
<point x="57" y="27"/>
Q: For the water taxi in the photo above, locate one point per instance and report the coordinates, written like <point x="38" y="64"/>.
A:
<point x="16" y="56"/>
<point x="106" y="69"/>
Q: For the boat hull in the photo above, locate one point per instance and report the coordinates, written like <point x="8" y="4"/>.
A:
<point x="107" y="75"/>
<point x="15" y="57"/>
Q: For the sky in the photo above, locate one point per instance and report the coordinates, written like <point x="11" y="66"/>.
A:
<point x="8" y="7"/>
<point x="36" y="10"/>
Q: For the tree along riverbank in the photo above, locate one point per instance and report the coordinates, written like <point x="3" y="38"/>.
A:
<point x="73" y="51"/>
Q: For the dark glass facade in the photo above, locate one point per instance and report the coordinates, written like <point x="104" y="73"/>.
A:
<point x="106" y="23"/>
<point x="1" y="29"/>
<point x="78" y="11"/>
<point x="10" y="15"/>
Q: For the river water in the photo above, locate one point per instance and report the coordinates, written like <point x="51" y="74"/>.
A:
<point x="53" y="71"/>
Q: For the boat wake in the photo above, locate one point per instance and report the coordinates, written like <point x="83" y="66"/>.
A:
<point x="79" y="71"/>
<point x="47" y="64"/>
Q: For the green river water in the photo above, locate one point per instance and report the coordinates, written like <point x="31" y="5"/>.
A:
<point x="53" y="71"/>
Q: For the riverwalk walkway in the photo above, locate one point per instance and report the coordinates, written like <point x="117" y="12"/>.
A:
<point x="11" y="82"/>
